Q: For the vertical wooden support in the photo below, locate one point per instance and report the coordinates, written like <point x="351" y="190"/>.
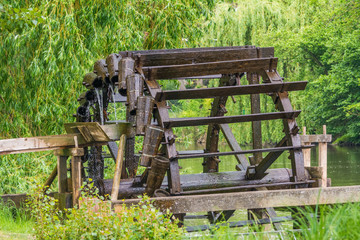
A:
<point x="62" y="173"/>
<point x="76" y="178"/>
<point x="118" y="168"/>
<point x="211" y="164"/>
<point x="306" y="152"/>
<point x="323" y="159"/>
<point x="253" y="78"/>
<point x="63" y="195"/>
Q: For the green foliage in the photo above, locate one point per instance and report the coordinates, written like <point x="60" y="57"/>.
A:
<point x="14" y="220"/>
<point x="334" y="222"/>
<point x="93" y="219"/>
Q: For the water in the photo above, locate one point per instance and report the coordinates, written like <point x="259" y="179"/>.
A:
<point x="343" y="162"/>
<point x="113" y="98"/>
<point x="99" y="98"/>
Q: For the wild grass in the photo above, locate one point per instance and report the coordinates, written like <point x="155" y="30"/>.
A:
<point x="14" y="223"/>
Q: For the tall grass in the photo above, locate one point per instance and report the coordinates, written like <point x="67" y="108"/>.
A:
<point x="14" y="220"/>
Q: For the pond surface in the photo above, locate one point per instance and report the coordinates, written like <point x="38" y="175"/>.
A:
<point x="343" y="162"/>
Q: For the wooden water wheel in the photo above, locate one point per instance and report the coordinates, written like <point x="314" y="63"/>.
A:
<point x="132" y="78"/>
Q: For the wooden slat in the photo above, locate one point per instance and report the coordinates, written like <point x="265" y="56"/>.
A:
<point x="253" y="199"/>
<point x="315" y="138"/>
<point x="278" y="149"/>
<point x="46" y="143"/>
<point x="201" y="56"/>
<point x="183" y="122"/>
<point x="177" y="50"/>
<point x="210" y="68"/>
<point x="230" y="91"/>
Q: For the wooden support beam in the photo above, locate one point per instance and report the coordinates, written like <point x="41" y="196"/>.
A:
<point x="276" y="149"/>
<point x="50" y="179"/>
<point x="162" y="115"/>
<point x="229" y="91"/>
<point x="183" y="50"/>
<point x="254" y="199"/>
<point x="118" y="168"/>
<point x="323" y="159"/>
<point x="306" y="152"/>
<point x="230" y="138"/>
<point x="191" y="56"/>
<point x="76" y="177"/>
<point x="198" y="121"/>
<point x="282" y="103"/>
<point x="260" y="169"/>
<point x="46" y="143"/>
<point x="210" y="68"/>
<point x="254" y="78"/>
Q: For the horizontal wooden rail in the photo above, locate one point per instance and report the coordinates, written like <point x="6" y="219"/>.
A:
<point x="251" y="200"/>
<point x="198" y="121"/>
<point x="178" y="50"/>
<point x="201" y="56"/>
<point x="230" y="91"/>
<point x="214" y="154"/>
<point x="46" y="143"/>
<point x="210" y="68"/>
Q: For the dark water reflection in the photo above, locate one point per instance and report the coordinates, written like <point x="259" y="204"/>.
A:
<point x="343" y="162"/>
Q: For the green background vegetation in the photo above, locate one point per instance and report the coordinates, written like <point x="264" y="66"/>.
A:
<point x="47" y="46"/>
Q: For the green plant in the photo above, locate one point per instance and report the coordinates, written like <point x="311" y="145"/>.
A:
<point x="93" y="219"/>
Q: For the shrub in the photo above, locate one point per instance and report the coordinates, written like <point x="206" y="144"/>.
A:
<point x="93" y="219"/>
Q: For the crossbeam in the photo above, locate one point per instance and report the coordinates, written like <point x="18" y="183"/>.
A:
<point x="46" y="143"/>
<point x="214" y="154"/>
<point x="201" y="56"/>
<point x="198" y="121"/>
<point x="250" y="200"/>
<point x="210" y="68"/>
<point x="230" y="91"/>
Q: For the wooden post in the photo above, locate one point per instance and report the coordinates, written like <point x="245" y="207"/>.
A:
<point x="76" y="177"/>
<point x="63" y="196"/>
<point x="118" y="167"/>
<point x="306" y="152"/>
<point x="323" y="159"/>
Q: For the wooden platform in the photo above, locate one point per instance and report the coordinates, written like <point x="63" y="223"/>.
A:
<point x="249" y="200"/>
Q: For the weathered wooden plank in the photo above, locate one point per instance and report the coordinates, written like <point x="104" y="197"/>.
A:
<point x="316" y="138"/>
<point x="46" y="143"/>
<point x="118" y="168"/>
<point x="62" y="173"/>
<point x="163" y="115"/>
<point x="198" y="56"/>
<point x="254" y="78"/>
<point x="177" y="50"/>
<point x="184" y="122"/>
<point x="76" y="178"/>
<point x="234" y="145"/>
<point x="230" y="90"/>
<point x="210" y="68"/>
<point x="282" y="102"/>
<point x="50" y="179"/>
<point x="211" y="164"/>
<point x="254" y="199"/>
<point x="277" y="149"/>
